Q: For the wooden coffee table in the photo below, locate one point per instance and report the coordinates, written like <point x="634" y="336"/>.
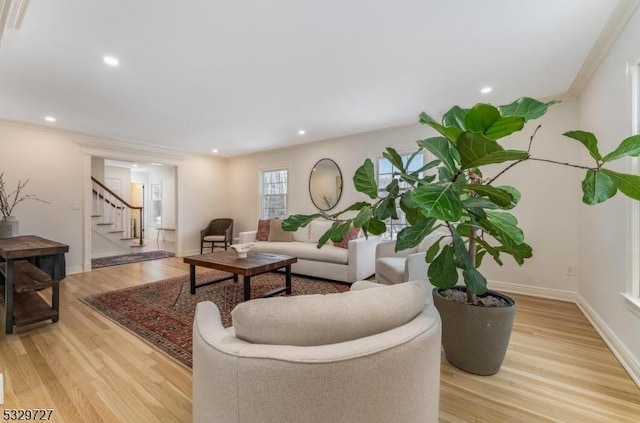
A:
<point x="255" y="264"/>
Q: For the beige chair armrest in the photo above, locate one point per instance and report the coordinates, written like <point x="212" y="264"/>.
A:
<point x="415" y="267"/>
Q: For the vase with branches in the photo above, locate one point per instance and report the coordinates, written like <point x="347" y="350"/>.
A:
<point x="9" y="200"/>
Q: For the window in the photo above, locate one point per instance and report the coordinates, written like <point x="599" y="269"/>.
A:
<point x="156" y="205"/>
<point x="273" y="194"/>
<point x="632" y="293"/>
<point x="384" y="176"/>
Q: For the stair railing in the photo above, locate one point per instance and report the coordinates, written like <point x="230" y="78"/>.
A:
<point x="113" y="211"/>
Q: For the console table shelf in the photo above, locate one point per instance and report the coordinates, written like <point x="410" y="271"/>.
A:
<point x="24" y="273"/>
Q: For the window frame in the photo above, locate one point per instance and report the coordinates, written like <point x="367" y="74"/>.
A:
<point x="632" y="293"/>
<point x="261" y="194"/>
<point x="388" y="235"/>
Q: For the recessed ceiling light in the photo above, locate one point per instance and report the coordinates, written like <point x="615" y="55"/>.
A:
<point x="135" y="165"/>
<point x="111" y="61"/>
<point x="486" y="90"/>
<point x="302" y="132"/>
<point x="215" y="151"/>
<point x="49" y="118"/>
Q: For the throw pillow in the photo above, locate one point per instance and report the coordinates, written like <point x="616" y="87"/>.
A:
<point x="277" y="234"/>
<point x="308" y="320"/>
<point x="351" y="234"/>
<point x="317" y="228"/>
<point x="263" y="230"/>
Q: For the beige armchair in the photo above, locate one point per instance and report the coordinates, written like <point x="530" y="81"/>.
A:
<point x="368" y="355"/>
<point x="217" y="231"/>
<point x="407" y="265"/>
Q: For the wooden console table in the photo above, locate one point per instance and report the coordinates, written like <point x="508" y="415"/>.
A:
<point x="22" y="277"/>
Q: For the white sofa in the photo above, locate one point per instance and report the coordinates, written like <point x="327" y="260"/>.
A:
<point x="407" y="265"/>
<point x="357" y="262"/>
<point x="365" y="356"/>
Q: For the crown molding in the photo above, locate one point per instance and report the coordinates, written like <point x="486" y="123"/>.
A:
<point x="113" y="147"/>
<point x="614" y="26"/>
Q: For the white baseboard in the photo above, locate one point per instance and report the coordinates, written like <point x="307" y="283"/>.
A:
<point x="533" y="291"/>
<point x="74" y="269"/>
<point x="624" y="356"/>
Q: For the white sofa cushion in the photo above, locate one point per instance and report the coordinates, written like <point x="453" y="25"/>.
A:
<point x="302" y="234"/>
<point x="391" y="268"/>
<point x="317" y="228"/>
<point x="304" y="251"/>
<point x="310" y="320"/>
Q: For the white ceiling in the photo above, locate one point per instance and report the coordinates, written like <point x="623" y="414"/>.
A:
<point x="243" y="76"/>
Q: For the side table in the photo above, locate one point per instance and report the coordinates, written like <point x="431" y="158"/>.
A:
<point x="22" y="276"/>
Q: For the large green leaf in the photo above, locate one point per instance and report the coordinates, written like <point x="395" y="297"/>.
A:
<point x="450" y="132"/>
<point x="413" y="235"/>
<point x="443" y="272"/>
<point x="480" y="117"/>
<point x="433" y="250"/>
<point x="411" y="210"/>
<point x="392" y="155"/>
<point x="375" y="227"/>
<point x="496" y="195"/>
<point x="477" y="150"/>
<point x="363" y="217"/>
<point x="597" y="187"/>
<point x="588" y="140"/>
<point x="513" y="192"/>
<point x="486" y="119"/>
<point x="393" y="188"/>
<point x="443" y="150"/>
<point x="475" y="282"/>
<point x="386" y="209"/>
<point x="503" y="126"/>
<point x="628" y="147"/>
<point x="365" y="179"/>
<point x="518" y="251"/>
<point x="455" y="117"/>
<point x="629" y="185"/>
<point x="463" y="258"/>
<point x="527" y="108"/>
<point x="495" y="253"/>
<point x="503" y="226"/>
<point x="438" y="200"/>
<point x="478" y="202"/>
<point x="295" y="221"/>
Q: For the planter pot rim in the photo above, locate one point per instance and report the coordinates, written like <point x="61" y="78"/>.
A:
<point x="489" y="292"/>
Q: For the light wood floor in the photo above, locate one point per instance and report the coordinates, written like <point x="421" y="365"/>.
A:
<point x="88" y="368"/>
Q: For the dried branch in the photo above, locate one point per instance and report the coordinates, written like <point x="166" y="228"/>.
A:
<point x="9" y="201"/>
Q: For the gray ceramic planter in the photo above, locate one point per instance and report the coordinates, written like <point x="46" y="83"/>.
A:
<point x="475" y="339"/>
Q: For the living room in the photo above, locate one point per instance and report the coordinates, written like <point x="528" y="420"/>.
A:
<point x="596" y="242"/>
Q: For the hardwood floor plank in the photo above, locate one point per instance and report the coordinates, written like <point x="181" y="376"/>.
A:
<point x="90" y="369"/>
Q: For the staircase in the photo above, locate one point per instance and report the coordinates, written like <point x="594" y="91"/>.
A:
<point x="115" y="219"/>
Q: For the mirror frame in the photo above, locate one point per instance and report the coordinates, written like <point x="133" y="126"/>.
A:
<point x="340" y="188"/>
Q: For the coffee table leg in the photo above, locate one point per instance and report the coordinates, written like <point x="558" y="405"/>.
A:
<point x="192" y="278"/>
<point x="247" y="287"/>
<point x="235" y="277"/>
<point x="288" y="280"/>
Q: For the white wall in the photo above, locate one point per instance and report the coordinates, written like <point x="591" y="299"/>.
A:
<point x="603" y="231"/>
<point x="55" y="163"/>
<point x="547" y="212"/>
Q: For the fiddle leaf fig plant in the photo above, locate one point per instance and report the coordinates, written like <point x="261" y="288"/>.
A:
<point x="452" y="193"/>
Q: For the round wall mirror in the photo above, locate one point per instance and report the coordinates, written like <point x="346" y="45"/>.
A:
<point x="325" y="184"/>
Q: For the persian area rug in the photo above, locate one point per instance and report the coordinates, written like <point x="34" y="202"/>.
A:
<point x="162" y="312"/>
<point x="129" y="258"/>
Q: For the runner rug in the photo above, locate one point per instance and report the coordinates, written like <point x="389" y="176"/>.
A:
<point x="129" y="258"/>
<point x="162" y="312"/>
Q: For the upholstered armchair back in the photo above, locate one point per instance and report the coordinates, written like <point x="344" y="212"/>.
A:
<point x="379" y="363"/>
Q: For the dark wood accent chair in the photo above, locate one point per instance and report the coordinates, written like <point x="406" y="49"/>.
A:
<point x="218" y="231"/>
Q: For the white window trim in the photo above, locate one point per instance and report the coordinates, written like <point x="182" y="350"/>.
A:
<point x="261" y="170"/>
<point x="632" y="294"/>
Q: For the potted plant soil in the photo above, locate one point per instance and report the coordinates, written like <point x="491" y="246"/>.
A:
<point x="453" y="195"/>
